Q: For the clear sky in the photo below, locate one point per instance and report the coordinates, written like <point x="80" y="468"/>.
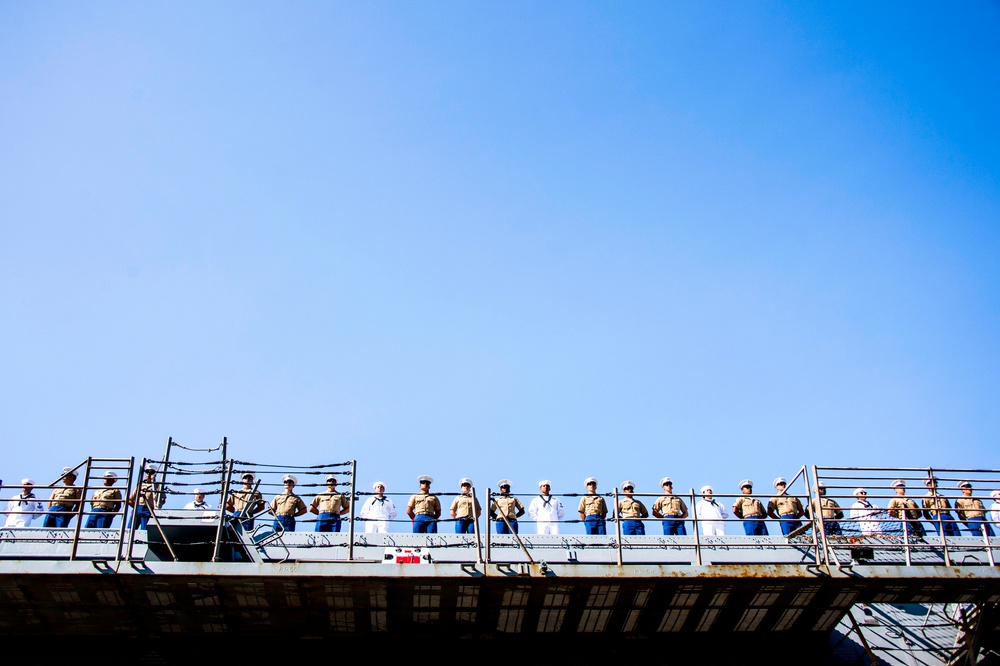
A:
<point x="523" y="240"/>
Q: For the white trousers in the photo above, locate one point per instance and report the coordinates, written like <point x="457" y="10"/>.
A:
<point x="547" y="527"/>
<point x="713" y="529"/>
<point x="380" y="526"/>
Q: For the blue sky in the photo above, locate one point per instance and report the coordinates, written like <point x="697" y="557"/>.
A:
<point x="523" y="240"/>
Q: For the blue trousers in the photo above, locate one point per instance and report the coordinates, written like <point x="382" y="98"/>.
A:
<point x="788" y="523"/>
<point x="977" y="525"/>
<point x="53" y="517"/>
<point x="502" y="526"/>
<point x="286" y="522"/>
<point x="948" y="523"/>
<point x="633" y="527"/>
<point x="594" y="525"/>
<point x="424" y="524"/>
<point x="464" y="526"/>
<point x="674" y="527"/>
<point x="141" y="514"/>
<point x="328" y="522"/>
<point x="754" y="527"/>
<point x="238" y="526"/>
<point x="832" y="528"/>
<point x="100" y="518"/>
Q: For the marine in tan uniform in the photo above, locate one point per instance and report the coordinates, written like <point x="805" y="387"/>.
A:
<point x="592" y="509"/>
<point x="465" y="509"/>
<point x="506" y="506"/>
<point x="148" y="495"/>
<point x="905" y="510"/>
<point x="750" y="510"/>
<point x="64" y="501"/>
<point x="105" y="503"/>
<point x="937" y="510"/>
<point x="671" y="509"/>
<point x="631" y="511"/>
<point x="287" y="506"/>
<point x="424" y="509"/>
<point x="329" y="506"/>
<point x="972" y="511"/>
<point x="245" y="503"/>
<point x="831" y="511"/>
<point x="785" y="508"/>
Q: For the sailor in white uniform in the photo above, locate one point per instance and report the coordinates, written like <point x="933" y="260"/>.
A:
<point x="995" y="508"/>
<point x="865" y="513"/>
<point x="199" y="503"/>
<point x="378" y="510"/>
<point x="23" y="508"/>
<point x="547" y="511"/>
<point x="710" y="513"/>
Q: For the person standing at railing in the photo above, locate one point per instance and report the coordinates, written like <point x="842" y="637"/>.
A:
<point x="937" y="510"/>
<point x="864" y="513"/>
<point x="506" y="506"/>
<point x="64" y="501"/>
<point x="785" y="509"/>
<point x="671" y="509"/>
<point x="24" y="507"/>
<point x="750" y="510"/>
<point x="330" y="506"/>
<point x="287" y="506"/>
<point x="905" y="509"/>
<point x="465" y="509"/>
<point x="198" y="503"/>
<point x="147" y="495"/>
<point x="971" y="511"/>
<point x="423" y="508"/>
<point x="546" y="509"/>
<point x="593" y="511"/>
<point x="831" y="511"/>
<point x="105" y="503"/>
<point x="245" y="502"/>
<point x="378" y="510"/>
<point x="711" y="513"/>
<point x="631" y="511"/>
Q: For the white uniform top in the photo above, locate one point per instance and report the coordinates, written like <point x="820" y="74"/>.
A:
<point x="709" y="511"/>
<point x="995" y="512"/>
<point x="861" y="510"/>
<point x="198" y="506"/>
<point x="19" y="508"/>
<point x="378" y="508"/>
<point x="546" y="509"/>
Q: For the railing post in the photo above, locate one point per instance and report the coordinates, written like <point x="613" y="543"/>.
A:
<point x="227" y="478"/>
<point x="475" y="528"/>
<point x="354" y="501"/>
<point x="618" y="525"/>
<point x="697" y="537"/>
<point x="818" y="516"/>
<point x="938" y="519"/>
<point x="489" y="527"/>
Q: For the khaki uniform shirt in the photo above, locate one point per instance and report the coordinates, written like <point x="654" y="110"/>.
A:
<point x="287" y="505"/>
<point x="242" y="498"/>
<point x="593" y="505"/>
<point x="969" y="507"/>
<point x="935" y="503"/>
<point x="784" y="505"/>
<point x="66" y="496"/>
<point x="462" y="507"/>
<point x="424" y="505"/>
<point x="147" y="495"/>
<point x="748" y="507"/>
<point x="508" y="506"/>
<point x="331" y="503"/>
<point x="670" y="505"/>
<point x="109" y="499"/>
<point x="897" y="505"/>
<point x="831" y="510"/>
<point x="629" y="507"/>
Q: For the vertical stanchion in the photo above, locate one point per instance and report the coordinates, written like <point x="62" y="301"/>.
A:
<point x="475" y="528"/>
<point x="489" y="530"/>
<point x="697" y="537"/>
<point x="227" y="478"/>
<point x="354" y="501"/>
<point x="819" y="518"/>
<point x="618" y="525"/>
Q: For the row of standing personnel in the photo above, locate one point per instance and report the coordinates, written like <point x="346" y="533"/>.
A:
<point x="546" y="510"/>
